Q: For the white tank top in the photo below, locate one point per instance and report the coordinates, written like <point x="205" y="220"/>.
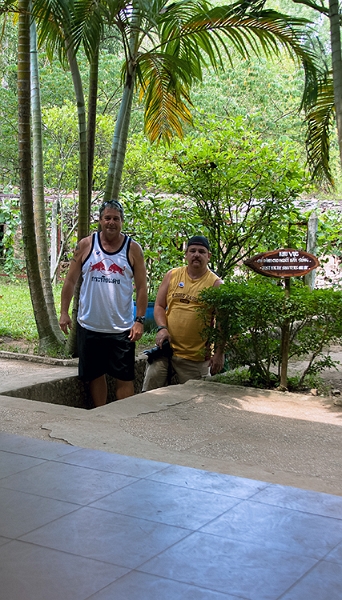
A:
<point x="106" y="294"/>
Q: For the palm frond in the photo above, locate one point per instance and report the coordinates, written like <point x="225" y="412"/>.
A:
<point x="87" y="24"/>
<point x="53" y="19"/>
<point x="197" y="32"/>
<point x="8" y="6"/>
<point x="165" y="83"/>
<point x="319" y="118"/>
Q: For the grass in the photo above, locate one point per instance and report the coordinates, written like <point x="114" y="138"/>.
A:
<point x="17" y="322"/>
<point x="17" y="318"/>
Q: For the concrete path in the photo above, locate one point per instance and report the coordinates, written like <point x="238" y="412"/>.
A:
<point x="288" y="439"/>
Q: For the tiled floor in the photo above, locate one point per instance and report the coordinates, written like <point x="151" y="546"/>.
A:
<point x="78" y="524"/>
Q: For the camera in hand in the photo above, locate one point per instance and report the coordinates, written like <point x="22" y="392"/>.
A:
<point x="164" y="352"/>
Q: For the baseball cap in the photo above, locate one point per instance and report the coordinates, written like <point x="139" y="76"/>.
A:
<point x="199" y="240"/>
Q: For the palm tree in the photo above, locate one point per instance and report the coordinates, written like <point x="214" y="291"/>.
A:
<point x="56" y="22"/>
<point x="167" y="46"/>
<point x="38" y="187"/>
<point x="323" y="102"/>
<point x="48" y="339"/>
<point x="326" y="107"/>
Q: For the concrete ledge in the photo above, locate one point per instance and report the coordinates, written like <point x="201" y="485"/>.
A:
<point x="45" y="360"/>
<point x="288" y="438"/>
<point x="62" y="386"/>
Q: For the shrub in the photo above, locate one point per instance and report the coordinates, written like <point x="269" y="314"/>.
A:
<point x="250" y="319"/>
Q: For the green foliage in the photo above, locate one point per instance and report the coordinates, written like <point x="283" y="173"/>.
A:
<point x="157" y="223"/>
<point x="10" y="217"/>
<point x="250" y="317"/>
<point x="61" y="147"/>
<point x="329" y="241"/>
<point x="265" y="92"/>
<point x="244" y="189"/>
<point x="247" y="378"/>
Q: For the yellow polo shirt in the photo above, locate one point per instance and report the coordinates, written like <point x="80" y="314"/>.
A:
<point x="183" y="322"/>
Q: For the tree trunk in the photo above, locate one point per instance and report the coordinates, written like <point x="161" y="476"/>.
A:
<point x="48" y="341"/>
<point x="91" y="131"/>
<point x="335" y="37"/>
<point x="54" y="251"/>
<point x="285" y="343"/>
<point x="83" y="198"/>
<point x="83" y="212"/>
<point x="119" y="144"/>
<point x="38" y="188"/>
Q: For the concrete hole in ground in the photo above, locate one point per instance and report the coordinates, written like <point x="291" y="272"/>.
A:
<point x="70" y="391"/>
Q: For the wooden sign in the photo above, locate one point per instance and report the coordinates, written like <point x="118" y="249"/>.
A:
<point x="285" y="262"/>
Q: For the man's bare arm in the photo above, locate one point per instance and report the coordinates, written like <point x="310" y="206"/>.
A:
<point x="82" y="248"/>
<point x="160" y="308"/>
<point x="140" y="280"/>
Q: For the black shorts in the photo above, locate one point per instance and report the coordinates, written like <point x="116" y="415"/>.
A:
<point x="101" y="353"/>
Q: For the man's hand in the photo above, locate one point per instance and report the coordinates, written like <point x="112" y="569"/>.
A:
<point x="136" y="332"/>
<point x="216" y="362"/>
<point x="65" y="323"/>
<point x="162" y="335"/>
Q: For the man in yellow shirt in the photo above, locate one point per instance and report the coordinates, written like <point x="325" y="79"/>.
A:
<point x="178" y="321"/>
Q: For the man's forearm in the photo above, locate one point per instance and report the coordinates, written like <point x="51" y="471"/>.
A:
<point x="160" y="316"/>
<point x="66" y="296"/>
<point x="141" y="302"/>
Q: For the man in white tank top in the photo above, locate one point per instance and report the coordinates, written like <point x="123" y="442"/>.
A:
<point x="175" y="313"/>
<point x="109" y="262"/>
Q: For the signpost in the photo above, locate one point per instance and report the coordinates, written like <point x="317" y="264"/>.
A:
<point x="286" y="263"/>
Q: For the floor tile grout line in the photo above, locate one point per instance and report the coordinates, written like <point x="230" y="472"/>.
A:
<point x="18" y="538"/>
<point x="301" y="578"/>
<point x="40" y="496"/>
<point x="60" y="499"/>
<point x="130" y="516"/>
<point x="106" y="562"/>
<point x="255" y="543"/>
<point x="299" y="510"/>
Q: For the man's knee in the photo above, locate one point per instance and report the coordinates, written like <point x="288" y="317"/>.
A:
<point x="155" y="376"/>
<point x="189" y="369"/>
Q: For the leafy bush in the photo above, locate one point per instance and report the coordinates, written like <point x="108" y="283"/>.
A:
<point x="157" y="223"/>
<point x="251" y="316"/>
<point x="243" y="187"/>
<point x="10" y="216"/>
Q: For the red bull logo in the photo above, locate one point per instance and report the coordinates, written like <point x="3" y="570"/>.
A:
<point x="107" y="266"/>
<point x="114" y="268"/>
<point x="99" y="266"/>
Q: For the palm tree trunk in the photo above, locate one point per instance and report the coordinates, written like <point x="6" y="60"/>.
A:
<point x="83" y="212"/>
<point x="335" y="37"/>
<point x="119" y="144"/>
<point x="83" y="197"/>
<point x="122" y="146"/>
<point x="38" y="187"/>
<point x="48" y="341"/>
<point x="92" y="104"/>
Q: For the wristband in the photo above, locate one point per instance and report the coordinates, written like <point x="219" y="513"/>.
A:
<point x="160" y="327"/>
<point x="139" y="320"/>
